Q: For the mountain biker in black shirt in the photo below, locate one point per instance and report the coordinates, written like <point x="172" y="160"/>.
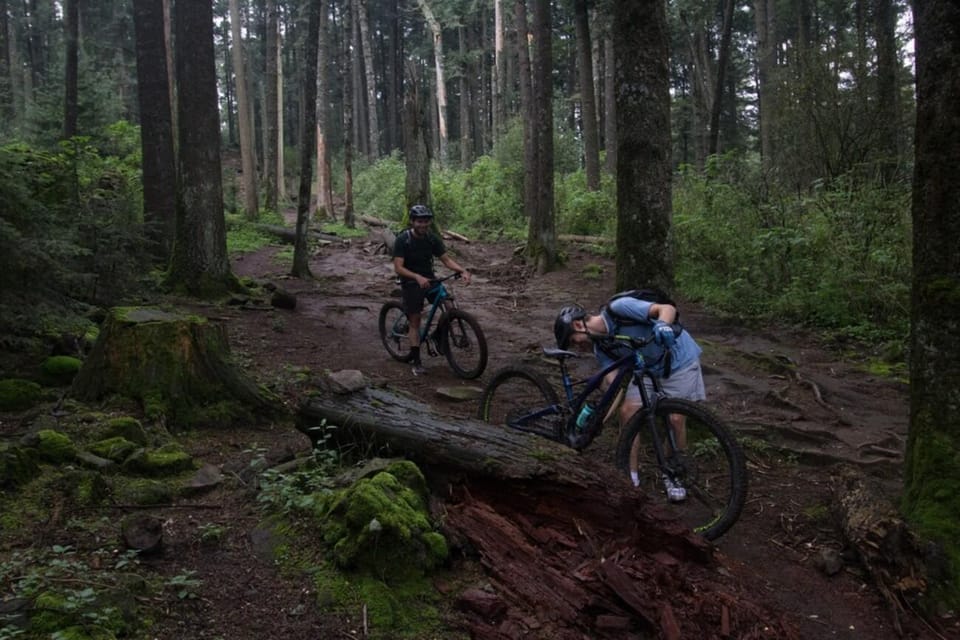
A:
<point x="413" y="254"/>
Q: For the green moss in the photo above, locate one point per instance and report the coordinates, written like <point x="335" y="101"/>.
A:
<point x="167" y="460"/>
<point x="124" y="427"/>
<point x="55" y="447"/>
<point x="116" y="448"/>
<point x="593" y="271"/>
<point x="144" y="491"/>
<point x="60" y="370"/>
<point x="83" y="487"/>
<point x="381" y="525"/>
<point x="17" y="394"/>
<point x="224" y="413"/>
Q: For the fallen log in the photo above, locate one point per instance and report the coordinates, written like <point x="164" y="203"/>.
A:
<point x="568" y="548"/>
<point x="566" y="237"/>
<point x="882" y="540"/>
<point x="289" y="234"/>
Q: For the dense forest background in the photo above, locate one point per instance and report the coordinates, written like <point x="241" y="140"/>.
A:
<point x="760" y="157"/>
<point x="791" y="127"/>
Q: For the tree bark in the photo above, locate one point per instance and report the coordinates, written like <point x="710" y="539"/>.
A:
<point x="271" y="117"/>
<point x="248" y="162"/>
<point x="301" y="254"/>
<point x="541" y="234"/>
<point x="766" y="61"/>
<point x="324" y="182"/>
<point x="644" y="171"/>
<point x="417" y="152"/>
<point x="366" y="44"/>
<point x="199" y="263"/>
<point x="723" y="61"/>
<point x="441" y="87"/>
<point x="156" y="128"/>
<point x="348" y="88"/>
<point x="525" y="82"/>
<point x="932" y="468"/>
<point x="499" y="72"/>
<point x="588" y="102"/>
<point x="71" y="109"/>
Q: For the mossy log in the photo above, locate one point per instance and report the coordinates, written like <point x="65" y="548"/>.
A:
<point x="569" y="549"/>
<point x="178" y="365"/>
<point x="884" y="543"/>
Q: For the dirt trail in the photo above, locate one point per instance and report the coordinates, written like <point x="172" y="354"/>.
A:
<point x="773" y="383"/>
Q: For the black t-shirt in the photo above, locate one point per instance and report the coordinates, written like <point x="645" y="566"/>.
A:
<point x="418" y="253"/>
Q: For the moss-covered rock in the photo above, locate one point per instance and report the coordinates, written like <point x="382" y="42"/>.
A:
<point x="168" y="460"/>
<point x="125" y="427"/>
<point x="144" y="491"/>
<point x="55" y="447"/>
<point x="381" y="525"/>
<point x="116" y="448"/>
<point x="60" y="370"/>
<point x="17" y="466"/>
<point x="84" y="487"/>
<point x="17" y="394"/>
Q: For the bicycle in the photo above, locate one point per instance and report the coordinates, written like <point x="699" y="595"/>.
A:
<point x="457" y="336"/>
<point x="711" y="468"/>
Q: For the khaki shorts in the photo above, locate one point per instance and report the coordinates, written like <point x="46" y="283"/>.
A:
<point x="686" y="383"/>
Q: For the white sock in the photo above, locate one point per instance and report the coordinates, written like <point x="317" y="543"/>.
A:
<point x="635" y="477"/>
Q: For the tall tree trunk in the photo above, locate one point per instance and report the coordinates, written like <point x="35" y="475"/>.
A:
<point x="766" y="61"/>
<point x="199" y="263"/>
<point x="465" y="139"/>
<point x="348" y="133"/>
<point x="541" y="234"/>
<point x="588" y="102"/>
<point x="71" y="107"/>
<point x="171" y="68"/>
<point x="248" y="162"/>
<point x="610" y="104"/>
<point x="281" y="168"/>
<point x="723" y="61"/>
<point x="393" y="55"/>
<point x="644" y="250"/>
<point x="324" y="188"/>
<point x="156" y="128"/>
<point x="271" y="123"/>
<point x="308" y="78"/>
<point x="438" y="59"/>
<point x="526" y="108"/>
<point x="499" y="107"/>
<point x="932" y="467"/>
<point x="888" y="100"/>
<point x="7" y="91"/>
<point x="366" y="43"/>
<point x="416" y="152"/>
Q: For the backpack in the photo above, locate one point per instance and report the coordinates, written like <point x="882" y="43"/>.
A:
<point x="647" y="294"/>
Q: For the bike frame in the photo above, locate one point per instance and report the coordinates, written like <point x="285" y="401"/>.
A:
<point x="629" y="367"/>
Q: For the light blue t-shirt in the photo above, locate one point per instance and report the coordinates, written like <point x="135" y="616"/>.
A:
<point x="685" y="352"/>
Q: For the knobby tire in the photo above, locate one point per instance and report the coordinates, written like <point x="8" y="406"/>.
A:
<point x="398" y="346"/>
<point x="463" y="342"/>
<point x="712" y="468"/>
<point x="515" y="391"/>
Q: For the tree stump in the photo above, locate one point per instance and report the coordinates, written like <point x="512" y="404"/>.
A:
<point x="178" y="366"/>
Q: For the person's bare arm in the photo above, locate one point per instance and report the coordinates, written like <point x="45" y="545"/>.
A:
<point x="663" y="312"/>
<point x="453" y="265"/>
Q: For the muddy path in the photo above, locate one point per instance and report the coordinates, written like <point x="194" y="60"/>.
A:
<point x="813" y="408"/>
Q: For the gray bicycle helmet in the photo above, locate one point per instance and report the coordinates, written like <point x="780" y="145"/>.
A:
<point x="563" y="325"/>
<point x="420" y="211"/>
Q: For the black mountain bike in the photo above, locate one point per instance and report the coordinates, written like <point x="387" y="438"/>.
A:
<point x="457" y="336"/>
<point x="711" y="467"/>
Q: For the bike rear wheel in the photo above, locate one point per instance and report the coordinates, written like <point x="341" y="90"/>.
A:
<point x="463" y="342"/>
<point x="522" y="399"/>
<point x="711" y="467"/>
<point x="395" y="331"/>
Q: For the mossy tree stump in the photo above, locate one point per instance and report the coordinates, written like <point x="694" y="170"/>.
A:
<point x="177" y="365"/>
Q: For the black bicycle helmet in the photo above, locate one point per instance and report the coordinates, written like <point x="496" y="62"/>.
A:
<point x="420" y="211"/>
<point x="562" y="326"/>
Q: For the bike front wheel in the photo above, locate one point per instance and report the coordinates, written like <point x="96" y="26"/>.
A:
<point x="395" y="331"/>
<point x="699" y="452"/>
<point x="463" y="342"/>
<point x="522" y="399"/>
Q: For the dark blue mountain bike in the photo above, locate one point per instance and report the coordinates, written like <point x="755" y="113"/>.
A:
<point x="711" y="466"/>
<point x="457" y="336"/>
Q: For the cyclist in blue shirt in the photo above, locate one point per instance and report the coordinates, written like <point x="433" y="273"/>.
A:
<point x="647" y="319"/>
<point x="413" y="254"/>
